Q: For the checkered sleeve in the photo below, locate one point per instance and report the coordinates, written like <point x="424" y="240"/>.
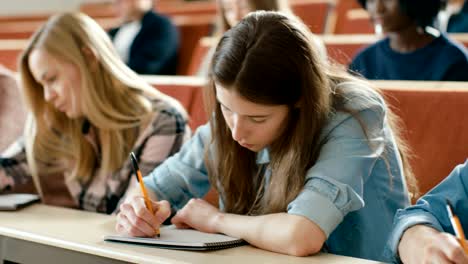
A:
<point x="14" y="171"/>
<point x="167" y="134"/>
<point x="163" y="138"/>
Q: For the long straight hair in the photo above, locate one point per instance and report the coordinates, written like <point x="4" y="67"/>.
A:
<point x="270" y="58"/>
<point x="114" y="99"/>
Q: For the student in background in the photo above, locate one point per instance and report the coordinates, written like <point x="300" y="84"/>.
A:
<point x="423" y="232"/>
<point x="230" y="12"/>
<point x="146" y="41"/>
<point x="458" y="22"/>
<point x="294" y="147"/>
<point x="88" y="111"/>
<point x="412" y="49"/>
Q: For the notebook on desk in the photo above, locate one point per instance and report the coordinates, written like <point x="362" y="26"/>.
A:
<point x="15" y="201"/>
<point x="185" y="239"/>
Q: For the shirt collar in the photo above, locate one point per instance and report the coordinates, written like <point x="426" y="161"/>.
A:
<point x="263" y="156"/>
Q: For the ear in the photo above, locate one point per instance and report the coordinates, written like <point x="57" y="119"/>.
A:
<point x="91" y="57"/>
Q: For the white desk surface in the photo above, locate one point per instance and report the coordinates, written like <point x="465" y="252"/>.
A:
<point x="82" y="232"/>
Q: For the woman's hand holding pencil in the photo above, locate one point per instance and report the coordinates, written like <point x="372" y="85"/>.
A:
<point x="424" y="244"/>
<point x="139" y="216"/>
<point x="135" y="219"/>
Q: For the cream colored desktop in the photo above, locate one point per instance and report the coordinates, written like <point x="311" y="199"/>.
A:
<point x="46" y="234"/>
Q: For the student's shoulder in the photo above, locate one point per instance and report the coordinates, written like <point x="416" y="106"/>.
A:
<point x="359" y="96"/>
<point x="154" y="18"/>
<point x="454" y="49"/>
<point x="168" y="115"/>
<point x="357" y="103"/>
<point x="463" y="171"/>
<point x="366" y="58"/>
<point x="372" y="49"/>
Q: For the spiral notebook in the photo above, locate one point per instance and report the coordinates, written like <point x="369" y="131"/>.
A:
<point x="184" y="239"/>
<point x="15" y="201"/>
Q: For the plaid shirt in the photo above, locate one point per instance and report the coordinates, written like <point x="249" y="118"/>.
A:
<point x="102" y="193"/>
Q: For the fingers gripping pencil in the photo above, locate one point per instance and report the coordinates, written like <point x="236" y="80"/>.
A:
<point x="142" y="186"/>
<point x="457" y="227"/>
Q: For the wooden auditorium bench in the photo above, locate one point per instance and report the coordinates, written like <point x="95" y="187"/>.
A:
<point x="435" y="124"/>
<point x="187" y="90"/>
<point x="314" y="13"/>
<point x="355" y="21"/>
<point x="192" y="29"/>
<point x="9" y="52"/>
<point x="14" y="35"/>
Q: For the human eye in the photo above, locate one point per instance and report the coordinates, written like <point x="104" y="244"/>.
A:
<point x="225" y="109"/>
<point x="51" y="79"/>
<point x="258" y="120"/>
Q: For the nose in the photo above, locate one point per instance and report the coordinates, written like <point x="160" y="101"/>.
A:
<point x="237" y="129"/>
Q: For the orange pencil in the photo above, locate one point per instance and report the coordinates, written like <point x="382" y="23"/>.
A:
<point x="457" y="227"/>
<point x="142" y="186"/>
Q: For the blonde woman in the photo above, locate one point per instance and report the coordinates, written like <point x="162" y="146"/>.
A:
<point x="88" y="111"/>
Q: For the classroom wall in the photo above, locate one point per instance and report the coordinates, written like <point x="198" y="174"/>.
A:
<point x="21" y="7"/>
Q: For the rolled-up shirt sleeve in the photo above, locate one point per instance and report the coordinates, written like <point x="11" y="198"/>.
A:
<point x="334" y="184"/>
<point x="430" y="210"/>
<point x="184" y="175"/>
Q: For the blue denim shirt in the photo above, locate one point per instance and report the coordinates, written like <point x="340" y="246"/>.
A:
<point x="431" y="208"/>
<point x="349" y="192"/>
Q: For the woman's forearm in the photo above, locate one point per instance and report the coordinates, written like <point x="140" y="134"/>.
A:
<point x="282" y="232"/>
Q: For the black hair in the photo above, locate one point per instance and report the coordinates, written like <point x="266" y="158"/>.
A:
<point x="422" y="11"/>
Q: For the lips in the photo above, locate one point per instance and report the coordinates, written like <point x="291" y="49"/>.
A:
<point x="246" y="145"/>
<point x="60" y="107"/>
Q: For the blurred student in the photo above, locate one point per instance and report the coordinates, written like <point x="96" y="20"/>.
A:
<point x="230" y="12"/>
<point x="412" y="49"/>
<point x="12" y="111"/>
<point x="88" y="111"/>
<point x="423" y="233"/>
<point x="458" y="21"/>
<point x="304" y="156"/>
<point x="146" y="41"/>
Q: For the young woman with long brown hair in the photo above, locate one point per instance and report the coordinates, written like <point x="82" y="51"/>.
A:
<point x="304" y="157"/>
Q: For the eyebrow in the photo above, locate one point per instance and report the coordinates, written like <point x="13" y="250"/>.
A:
<point x="251" y="116"/>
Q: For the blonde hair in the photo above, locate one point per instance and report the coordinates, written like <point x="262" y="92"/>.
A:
<point x="113" y="98"/>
